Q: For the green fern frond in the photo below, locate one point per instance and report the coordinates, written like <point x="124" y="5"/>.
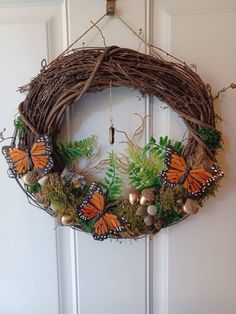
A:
<point x="144" y="170"/>
<point x="69" y="152"/>
<point x="159" y="148"/>
<point x="112" y="181"/>
<point x="146" y="164"/>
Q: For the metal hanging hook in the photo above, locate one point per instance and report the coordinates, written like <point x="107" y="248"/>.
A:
<point x="111" y="5"/>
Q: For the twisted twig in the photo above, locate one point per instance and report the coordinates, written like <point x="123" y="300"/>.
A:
<point x="69" y="77"/>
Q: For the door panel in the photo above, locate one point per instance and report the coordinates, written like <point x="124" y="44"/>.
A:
<point x="111" y="277"/>
<point x="28" y="253"/>
<point x="188" y="268"/>
<point x="199" y="252"/>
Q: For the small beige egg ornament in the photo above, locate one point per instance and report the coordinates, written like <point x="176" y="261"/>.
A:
<point x="42" y="181"/>
<point x="141" y="211"/>
<point x="152" y="210"/>
<point x="148" y="220"/>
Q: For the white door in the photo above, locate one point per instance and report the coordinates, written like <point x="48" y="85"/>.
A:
<point x="28" y="262"/>
<point x="199" y="254"/>
<point x="188" y="268"/>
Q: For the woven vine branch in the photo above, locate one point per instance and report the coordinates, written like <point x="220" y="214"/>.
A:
<point x="69" y="77"/>
<point x="64" y="82"/>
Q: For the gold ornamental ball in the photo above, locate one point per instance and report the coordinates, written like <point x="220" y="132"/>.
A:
<point x="141" y="211"/>
<point x="67" y="220"/>
<point x="133" y="197"/>
<point x="30" y="177"/>
<point x="191" y="207"/>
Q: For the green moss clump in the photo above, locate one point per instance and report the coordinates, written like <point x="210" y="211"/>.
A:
<point x="128" y="211"/>
<point x="172" y="199"/>
<point x="64" y="197"/>
<point x="137" y="226"/>
<point x="211" y="137"/>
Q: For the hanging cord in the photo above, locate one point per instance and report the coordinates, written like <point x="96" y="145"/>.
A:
<point x="94" y="24"/>
<point x="152" y="47"/>
<point x="101" y="33"/>
<point x="111" y="129"/>
<point x="110" y="104"/>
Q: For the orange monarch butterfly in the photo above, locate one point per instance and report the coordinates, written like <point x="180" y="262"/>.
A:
<point x="195" y="181"/>
<point x="22" y="160"/>
<point x="106" y="224"/>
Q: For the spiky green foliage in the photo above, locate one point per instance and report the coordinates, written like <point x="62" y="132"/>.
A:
<point x="146" y="164"/>
<point x="69" y="152"/>
<point x="159" y="148"/>
<point x="20" y="126"/>
<point x="144" y="170"/>
<point x="112" y="181"/>
<point x="211" y="137"/>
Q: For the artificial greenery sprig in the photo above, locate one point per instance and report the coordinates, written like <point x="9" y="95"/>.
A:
<point x="159" y="148"/>
<point x="146" y="164"/>
<point x="144" y="171"/>
<point x="69" y="152"/>
<point x="20" y="126"/>
<point x="112" y="181"/>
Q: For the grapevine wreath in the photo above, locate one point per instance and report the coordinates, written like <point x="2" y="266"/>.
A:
<point x="168" y="180"/>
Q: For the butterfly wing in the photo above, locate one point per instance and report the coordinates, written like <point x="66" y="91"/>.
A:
<point x="106" y="224"/>
<point x="175" y="168"/>
<point x="201" y="179"/>
<point x="94" y="203"/>
<point x="40" y="154"/>
<point x="17" y="160"/>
